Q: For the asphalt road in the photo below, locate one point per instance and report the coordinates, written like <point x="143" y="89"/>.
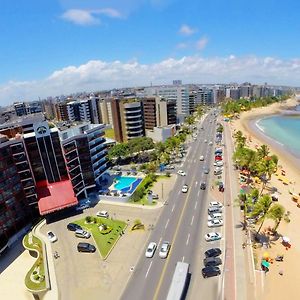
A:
<point x="184" y="223"/>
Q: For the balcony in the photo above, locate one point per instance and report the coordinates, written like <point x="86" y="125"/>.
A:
<point x="69" y="147"/>
<point x="29" y="183"/>
<point x="23" y="166"/>
<point x="98" y="156"/>
<point x="98" y="149"/>
<point x="25" y="175"/>
<point x="137" y="121"/>
<point x="99" y="163"/>
<point x="71" y="156"/>
<point x="134" y="127"/>
<point x="133" y="130"/>
<point x="72" y="165"/>
<point x="30" y="191"/>
<point x="17" y="148"/>
<point x="20" y="157"/>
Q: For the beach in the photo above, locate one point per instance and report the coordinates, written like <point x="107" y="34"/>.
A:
<point x="272" y="285"/>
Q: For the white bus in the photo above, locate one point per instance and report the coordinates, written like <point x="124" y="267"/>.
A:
<point x="179" y="281"/>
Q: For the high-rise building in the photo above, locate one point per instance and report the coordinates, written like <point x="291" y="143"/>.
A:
<point x="20" y="108"/>
<point x="127" y="119"/>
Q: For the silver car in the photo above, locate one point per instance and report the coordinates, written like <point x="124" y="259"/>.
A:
<point x="164" y="250"/>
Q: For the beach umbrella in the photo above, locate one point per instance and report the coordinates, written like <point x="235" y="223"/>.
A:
<point x="286" y="239"/>
<point x="266" y="255"/>
<point x="265" y="263"/>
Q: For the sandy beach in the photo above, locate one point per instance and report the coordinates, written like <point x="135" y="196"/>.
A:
<point x="272" y="284"/>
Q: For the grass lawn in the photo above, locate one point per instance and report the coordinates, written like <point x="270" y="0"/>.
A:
<point x="37" y="245"/>
<point x="110" y="133"/>
<point x="104" y="242"/>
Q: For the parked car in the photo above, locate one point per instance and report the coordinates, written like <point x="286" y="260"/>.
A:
<point x="212" y="261"/>
<point x="215" y="223"/>
<point x="210" y="143"/>
<point x="73" y="226"/>
<point x="218" y="157"/>
<point x="218" y="163"/>
<point x="181" y="173"/>
<point x="213" y="252"/>
<point x="150" y="250"/>
<point x="102" y="214"/>
<point x="211" y="271"/>
<point x="205" y="141"/>
<point x="201" y="158"/>
<point x="214" y="216"/>
<point x="51" y="236"/>
<point x="169" y="167"/>
<point x="164" y="250"/>
<point x="82" y="234"/>
<point x="185" y="188"/>
<point x="212" y="210"/>
<point x="85" y="247"/>
<point x="202" y="185"/>
<point x="213" y="236"/>
<point x="215" y="204"/>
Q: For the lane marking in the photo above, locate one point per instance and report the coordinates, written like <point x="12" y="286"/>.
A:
<point x="196" y="205"/>
<point x="148" y="269"/>
<point x="187" y="240"/>
<point x="182" y="259"/>
<point x="159" y="242"/>
<point x="167" y="223"/>
<point x="196" y="183"/>
<point x="173" y="207"/>
<point x="192" y="220"/>
<point x="198" y="193"/>
<point x="178" y="193"/>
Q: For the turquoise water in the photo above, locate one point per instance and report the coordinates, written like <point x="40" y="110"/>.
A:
<point x="123" y="182"/>
<point x="285" y="130"/>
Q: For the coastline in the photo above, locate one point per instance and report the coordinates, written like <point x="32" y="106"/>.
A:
<point x="272" y="285"/>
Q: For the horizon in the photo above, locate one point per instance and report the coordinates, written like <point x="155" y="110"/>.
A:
<point x="64" y="47"/>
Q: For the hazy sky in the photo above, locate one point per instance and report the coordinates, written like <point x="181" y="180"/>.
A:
<point x="53" y="47"/>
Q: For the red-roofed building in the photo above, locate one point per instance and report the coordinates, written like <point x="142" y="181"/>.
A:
<point x="56" y="196"/>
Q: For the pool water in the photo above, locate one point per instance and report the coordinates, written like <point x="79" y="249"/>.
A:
<point x="124" y="182"/>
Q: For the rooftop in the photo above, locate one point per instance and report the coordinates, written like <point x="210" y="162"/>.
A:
<point x="56" y="196"/>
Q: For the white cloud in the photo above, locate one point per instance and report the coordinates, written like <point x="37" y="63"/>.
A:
<point x="89" y="17"/>
<point x="186" y="30"/>
<point x="182" y="46"/>
<point x="97" y="75"/>
<point x="201" y="44"/>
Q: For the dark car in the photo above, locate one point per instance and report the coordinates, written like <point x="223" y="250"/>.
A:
<point x="206" y="171"/>
<point x="73" y="226"/>
<point x="202" y="185"/>
<point x="211" y="271"/>
<point x="86" y="247"/>
<point x="212" y="261"/>
<point x="213" y="252"/>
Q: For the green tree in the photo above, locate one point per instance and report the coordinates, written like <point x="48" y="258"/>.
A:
<point x="265" y="168"/>
<point x="190" y="120"/>
<point x="261" y="209"/>
<point x="263" y="151"/>
<point x="240" y="139"/>
<point x="276" y="213"/>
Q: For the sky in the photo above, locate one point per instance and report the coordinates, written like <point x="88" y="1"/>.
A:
<point x="55" y="47"/>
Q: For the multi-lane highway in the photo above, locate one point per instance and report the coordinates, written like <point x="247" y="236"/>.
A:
<point x="183" y="222"/>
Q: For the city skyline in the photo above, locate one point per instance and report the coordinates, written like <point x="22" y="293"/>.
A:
<point x="62" y="47"/>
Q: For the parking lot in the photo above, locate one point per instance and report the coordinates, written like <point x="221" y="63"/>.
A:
<point x="86" y="275"/>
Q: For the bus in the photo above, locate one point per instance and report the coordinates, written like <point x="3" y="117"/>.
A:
<point x="179" y="281"/>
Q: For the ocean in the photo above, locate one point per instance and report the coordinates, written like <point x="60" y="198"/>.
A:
<point x="283" y="129"/>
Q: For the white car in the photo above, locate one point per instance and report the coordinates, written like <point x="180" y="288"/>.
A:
<point x="164" y="250"/>
<point x="215" y="223"/>
<point x="218" y="163"/>
<point x="205" y="141"/>
<point x="181" y="173"/>
<point x="210" y="143"/>
<point x="212" y="236"/>
<point x="201" y="158"/>
<point x="215" y="204"/>
<point x="82" y="233"/>
<point x="51" y="236"/>
<point x="214" y="216"/>
<point x="102" y="214"/>
<point x="150" y="250"/>
<point x="185" y="188"/>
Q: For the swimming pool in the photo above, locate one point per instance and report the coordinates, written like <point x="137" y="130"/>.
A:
<point x="124" y="182"/>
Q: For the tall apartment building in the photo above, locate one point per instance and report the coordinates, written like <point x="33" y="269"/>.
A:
<point x="233" y="93"/>
<point x="62" y="111"/>
<point x="218" y="94"/>
<point x="158" y="112"/>
<point x="16" y="204"/>
<point x="105" y="110"/>
<point x="179" y="94"/>
<point x="20" y="108"/>
<point x="127" y="119"/>
<point x="246" y="90"/>
<point x="86" y="156"/>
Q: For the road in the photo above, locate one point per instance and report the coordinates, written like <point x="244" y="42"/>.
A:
<point x="184" y="223"/>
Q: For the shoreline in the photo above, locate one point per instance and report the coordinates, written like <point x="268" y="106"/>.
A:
<point x="249" y="128"/>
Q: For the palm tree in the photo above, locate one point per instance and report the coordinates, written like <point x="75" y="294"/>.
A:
<point x="261" y="209"/>
<point x="276" y="213"/>
<point x="263" y="151"/>
<point x="265" y="169"/>
<point x="240" y="139"/>
<point x="190" y="120"/>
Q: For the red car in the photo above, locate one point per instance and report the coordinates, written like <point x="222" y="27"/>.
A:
<point x="218" y="157"/>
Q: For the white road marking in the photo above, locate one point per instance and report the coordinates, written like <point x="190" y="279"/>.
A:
<point x="167" y="223"/>
<point x="196" y="205"/>
<point x="178" y="193"/>
<point x="196" y="183"/>
<point x="187" y="240"/>
<point x="198" y="193"/>
<point x="192" y="220"/>
<point x="182" y="259"/>
<point x="148" y="269"/>
<point x="173" y="207"/>
<point x="159" y="241"/>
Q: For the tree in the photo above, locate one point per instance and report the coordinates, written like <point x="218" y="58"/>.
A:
<point x="261" y="209"/>
<point x="265" y="169"/>
<point x="263" y="151"/>
<point x="276" y="213"/>
<point x="245" y="158"/>
<point x="190" y="120"/>
<point x="240" y="139"/>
